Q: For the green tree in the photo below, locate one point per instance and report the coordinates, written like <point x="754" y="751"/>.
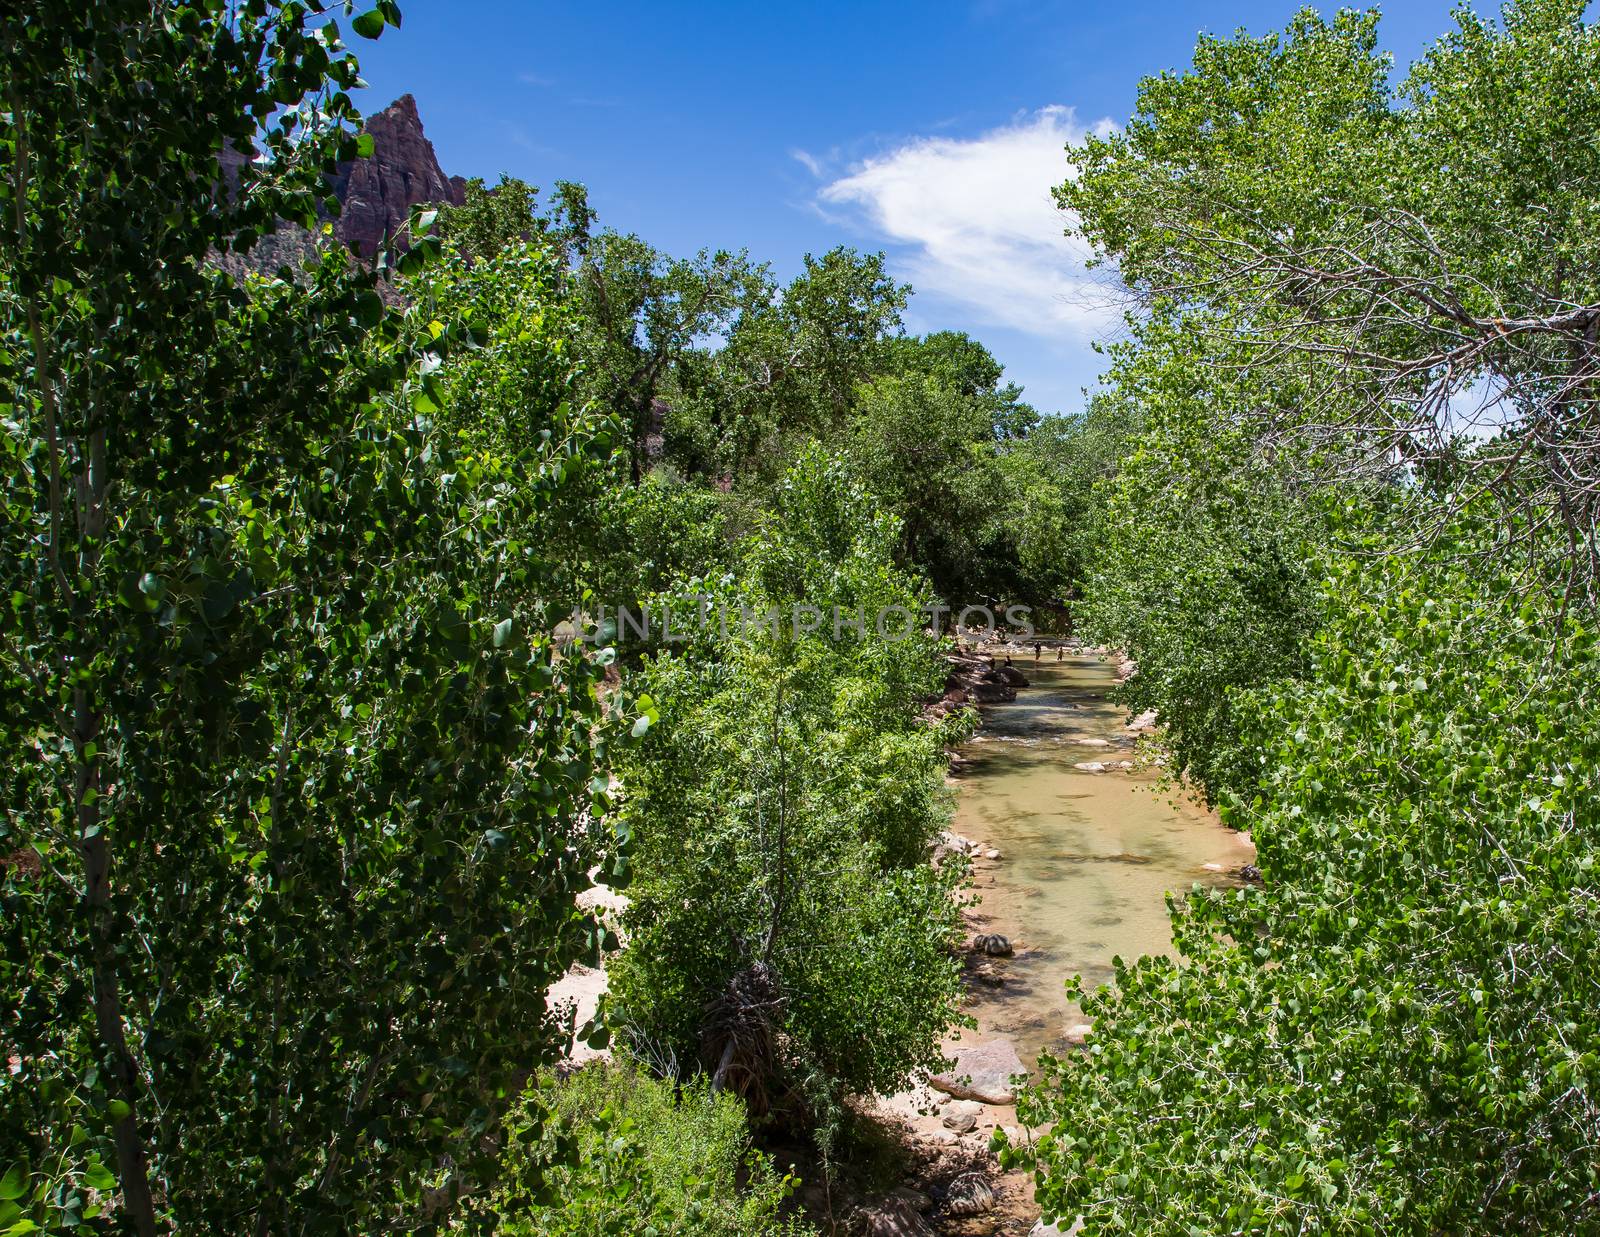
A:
<point x="489" y="219"/>
<point x="957" y="361"/>
<point x="1419" y="256"/>
<point x="1054" y="492"/>
<point x="1387" y="679"/>
<point x="1395" y="1035"/>
<point x="787" y="933"/>
<point x="790" y="369"/>
<point x="641" y="314"/>
<point x="297" y="785"/>
<point x="927" y="450"/>
<point x="1203" y="549"/>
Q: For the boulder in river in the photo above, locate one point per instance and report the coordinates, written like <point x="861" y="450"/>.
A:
<point x="962" y="1116"/>
<point x="976" y="679"/>
<point x="988" y="977"/>
<point x="983" y="1072"/>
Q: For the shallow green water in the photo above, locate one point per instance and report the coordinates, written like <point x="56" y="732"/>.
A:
<point x="1087" y="858"/>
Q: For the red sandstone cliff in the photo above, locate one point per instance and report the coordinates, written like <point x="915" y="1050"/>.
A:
<point x="376" y="195"/>
<point x="378" y="192"/>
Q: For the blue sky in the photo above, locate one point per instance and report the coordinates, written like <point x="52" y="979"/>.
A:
<point x="931" y="131"/>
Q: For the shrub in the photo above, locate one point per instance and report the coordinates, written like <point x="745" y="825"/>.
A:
<point x="610" y="1150"/>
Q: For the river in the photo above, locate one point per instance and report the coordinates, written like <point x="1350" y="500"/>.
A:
<point x="1087" y="858"/>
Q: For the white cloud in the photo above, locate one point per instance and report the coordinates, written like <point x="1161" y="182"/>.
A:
<point x="975" y="224"/>
<point x="808" y="161"/>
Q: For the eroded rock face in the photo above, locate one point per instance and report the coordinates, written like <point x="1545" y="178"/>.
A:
<point x="983" y="1072"/>
<point x="376" y="196"/>
<point x="379" y="192"/>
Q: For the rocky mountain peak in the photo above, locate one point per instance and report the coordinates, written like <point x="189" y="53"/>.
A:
<point x="378" y="192"/>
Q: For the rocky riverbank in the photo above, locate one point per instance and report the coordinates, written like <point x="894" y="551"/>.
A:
<point x="1071" y="857"/>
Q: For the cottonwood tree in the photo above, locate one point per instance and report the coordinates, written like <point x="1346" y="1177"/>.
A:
<point x="297" y="792"/>
<point x="1396" y="1033"/>
<point x="641" y="312"/>
<point x="1421" y="257"/>
<point x="790" y="370"/>
<point x="1393" y="1033"/>
<point x="787" y="935"/>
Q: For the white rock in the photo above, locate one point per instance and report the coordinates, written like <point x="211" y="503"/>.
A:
<point x="991" y="853"/>
<point x="1078" y="1032"/>
<point x="1091" y="766"/>
<point x="983" y="1072"/>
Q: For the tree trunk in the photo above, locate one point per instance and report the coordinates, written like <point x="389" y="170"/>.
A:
<point x="115" y="1059"/>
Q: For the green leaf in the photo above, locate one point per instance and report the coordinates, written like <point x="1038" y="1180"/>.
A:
<point x="503" y="631"/>
<point x="369" y="25"/>
<point x="99" y="1177"/>
<point x="425" y="397"/>
<point x="364" y="146"/>
<point x="369" y="308"/>
<point x="14" y="1184"/>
